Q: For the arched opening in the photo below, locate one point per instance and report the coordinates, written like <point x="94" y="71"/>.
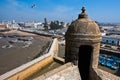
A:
<point x="84" y="61"/>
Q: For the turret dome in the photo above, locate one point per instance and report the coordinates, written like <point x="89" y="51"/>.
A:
<point x="83" y="26"/>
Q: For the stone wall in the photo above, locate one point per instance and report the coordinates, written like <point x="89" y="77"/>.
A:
<point x="103" y="75"/>
<point x="30" y="68"/>
<point x="66" y="72"/>
<point x="98" y="74"/>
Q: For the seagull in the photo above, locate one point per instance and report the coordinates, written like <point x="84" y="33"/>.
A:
<point x="33" y="6"/>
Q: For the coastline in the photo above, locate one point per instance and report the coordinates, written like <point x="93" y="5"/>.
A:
<point x="11" y="58"/>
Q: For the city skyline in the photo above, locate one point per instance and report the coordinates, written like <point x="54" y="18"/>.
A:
<point x="63" y="10"/>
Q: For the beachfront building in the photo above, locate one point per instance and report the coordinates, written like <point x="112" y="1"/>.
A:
<point x="114" y="30"/>
<point x="2" y="27"/>
<point x="111" y="39"/>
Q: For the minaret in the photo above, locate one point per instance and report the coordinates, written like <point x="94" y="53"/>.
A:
<point x="45" y="23"/>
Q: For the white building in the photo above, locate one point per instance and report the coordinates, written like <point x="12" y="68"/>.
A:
<point x="37" y="25"/>
<point x="111" y="39"/>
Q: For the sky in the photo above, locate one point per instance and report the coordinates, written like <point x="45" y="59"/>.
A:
<point x="62" y="10"/>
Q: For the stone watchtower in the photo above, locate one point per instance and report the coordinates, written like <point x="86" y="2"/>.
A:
<point x="83" y="44"/>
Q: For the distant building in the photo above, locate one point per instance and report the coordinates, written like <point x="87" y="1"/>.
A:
<point x="46" y="25"/>
<point x="111" y="29"/>
<point x="61" y="31"/>
<point x="111" y="39"/>
<point x="3" y="27"/>
<point x="114" y="30"/>
<point x="15" y="26"/>
<point x="40" y="26"/>
<point x="35" y="25"/>
<point x="103" y="32"/>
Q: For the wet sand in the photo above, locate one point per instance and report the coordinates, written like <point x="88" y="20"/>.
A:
<point x="13" y="57"/>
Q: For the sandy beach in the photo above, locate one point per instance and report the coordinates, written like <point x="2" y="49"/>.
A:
<point x="16" y="49"/>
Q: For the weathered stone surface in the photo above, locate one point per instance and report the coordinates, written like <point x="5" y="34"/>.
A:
<point x="103" y="75"/>
<point x="70" y="73"/>
<point x="83" y="44"/>
<point x="82" y="31"/>
<point x="65" y="72"/>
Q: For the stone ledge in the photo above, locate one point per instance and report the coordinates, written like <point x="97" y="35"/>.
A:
<point x="105" y="75"/>
<point x="65" y="72"/>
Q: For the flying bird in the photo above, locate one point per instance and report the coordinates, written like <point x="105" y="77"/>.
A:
<point x="33" y="6"/>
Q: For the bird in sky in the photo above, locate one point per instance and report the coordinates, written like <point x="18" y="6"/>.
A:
<point x="33" y="6"/>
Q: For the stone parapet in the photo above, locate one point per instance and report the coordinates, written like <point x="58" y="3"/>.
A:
<point x="65" y="72"/>
<point x="103" y="75"/>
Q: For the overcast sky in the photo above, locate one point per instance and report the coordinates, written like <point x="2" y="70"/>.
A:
<point x="62" y="10"/>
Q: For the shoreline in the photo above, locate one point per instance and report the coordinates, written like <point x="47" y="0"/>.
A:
<point x="11" y="58"/>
